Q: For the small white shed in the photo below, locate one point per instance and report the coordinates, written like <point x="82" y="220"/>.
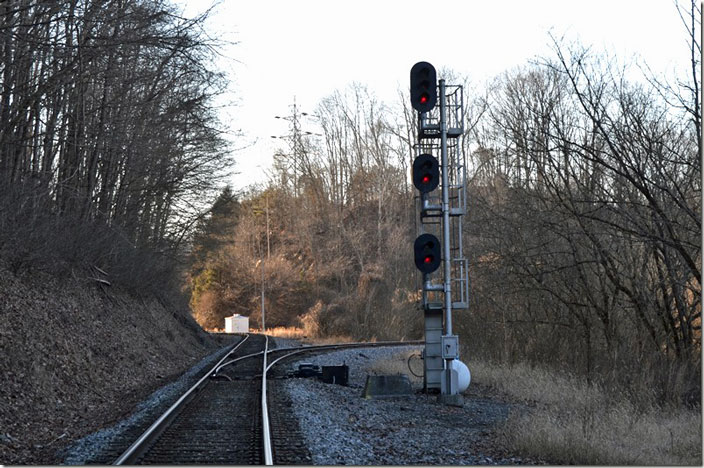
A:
<point x="237" y="324"/>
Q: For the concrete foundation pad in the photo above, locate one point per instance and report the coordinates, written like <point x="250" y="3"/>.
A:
<point x="387" y="386"/>
<point x="451" y="400"/>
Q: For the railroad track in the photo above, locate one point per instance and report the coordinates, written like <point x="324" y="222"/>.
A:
<point x="228" y="417"/>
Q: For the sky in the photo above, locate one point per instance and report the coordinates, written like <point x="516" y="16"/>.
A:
<point x="306" y="49"/>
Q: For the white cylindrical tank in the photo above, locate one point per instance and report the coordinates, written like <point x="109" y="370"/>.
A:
<point x="464" y="377"/>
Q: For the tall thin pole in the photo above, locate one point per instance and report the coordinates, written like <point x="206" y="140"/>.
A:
<point x="268" y="247"/>
<point x="449" y="390"/>
<point x="445" y="212"/>
<point x="263" y="316"/>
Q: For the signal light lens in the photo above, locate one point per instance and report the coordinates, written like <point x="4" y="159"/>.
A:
<point x="426" y="179"/>
<point x="423" y="98"/>
<point x="428" y="259"/>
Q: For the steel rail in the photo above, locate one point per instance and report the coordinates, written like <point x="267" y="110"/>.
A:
<point x="311" y="348"/>
<point x="216" y="371"/>
<point x="268" y="457"/>
<point x="377" y="344"/>
<point x="135" y="450"/>
<point x="266" y="433"/>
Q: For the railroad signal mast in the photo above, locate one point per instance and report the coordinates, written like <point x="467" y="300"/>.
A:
<point x="440" y="126"/>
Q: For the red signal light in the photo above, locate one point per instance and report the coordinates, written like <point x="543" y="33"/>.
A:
<point x="426" y="179"/>
<point x="428" y="259"/>
<point x="423" y="98"/>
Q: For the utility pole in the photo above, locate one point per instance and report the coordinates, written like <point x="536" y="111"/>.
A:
<point x="295" y="141"/>
<point x="263" y="312"/>
<point x="268" y="246"/>
<point x="260" y="264"/>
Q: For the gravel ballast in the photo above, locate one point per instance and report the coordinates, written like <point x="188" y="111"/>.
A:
<point x="341" y="427"/>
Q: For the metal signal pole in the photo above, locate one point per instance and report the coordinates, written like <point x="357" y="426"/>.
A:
<point x="443" y="214"/>
<point x="450" y="387"/>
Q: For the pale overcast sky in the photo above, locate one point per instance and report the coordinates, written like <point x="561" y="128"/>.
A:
<point x="308" y="49"/>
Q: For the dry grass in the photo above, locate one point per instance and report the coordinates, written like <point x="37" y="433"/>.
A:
<point x="571" y="422"/>
<point x="295" y="333"/>
<point x="290" y="333"/>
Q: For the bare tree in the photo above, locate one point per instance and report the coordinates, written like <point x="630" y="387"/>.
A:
<point x="106" y="120"/>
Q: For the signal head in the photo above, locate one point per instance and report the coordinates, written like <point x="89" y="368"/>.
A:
<point x="426" y="173"/>
<point x="423" y="87"/>
<point x="426" y="250"/>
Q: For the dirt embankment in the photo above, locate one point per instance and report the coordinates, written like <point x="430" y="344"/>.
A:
<point x="76" y="356"/>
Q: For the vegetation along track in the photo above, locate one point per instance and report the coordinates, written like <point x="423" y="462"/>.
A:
<point x="228" y="417"/>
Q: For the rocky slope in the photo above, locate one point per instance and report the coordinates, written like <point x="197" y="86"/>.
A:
<point x="76" y="356"/>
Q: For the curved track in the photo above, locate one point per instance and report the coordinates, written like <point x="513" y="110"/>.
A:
<point x="228" y="417"/>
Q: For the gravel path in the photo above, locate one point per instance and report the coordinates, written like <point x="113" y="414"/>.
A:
<point x="341" y="427"/>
